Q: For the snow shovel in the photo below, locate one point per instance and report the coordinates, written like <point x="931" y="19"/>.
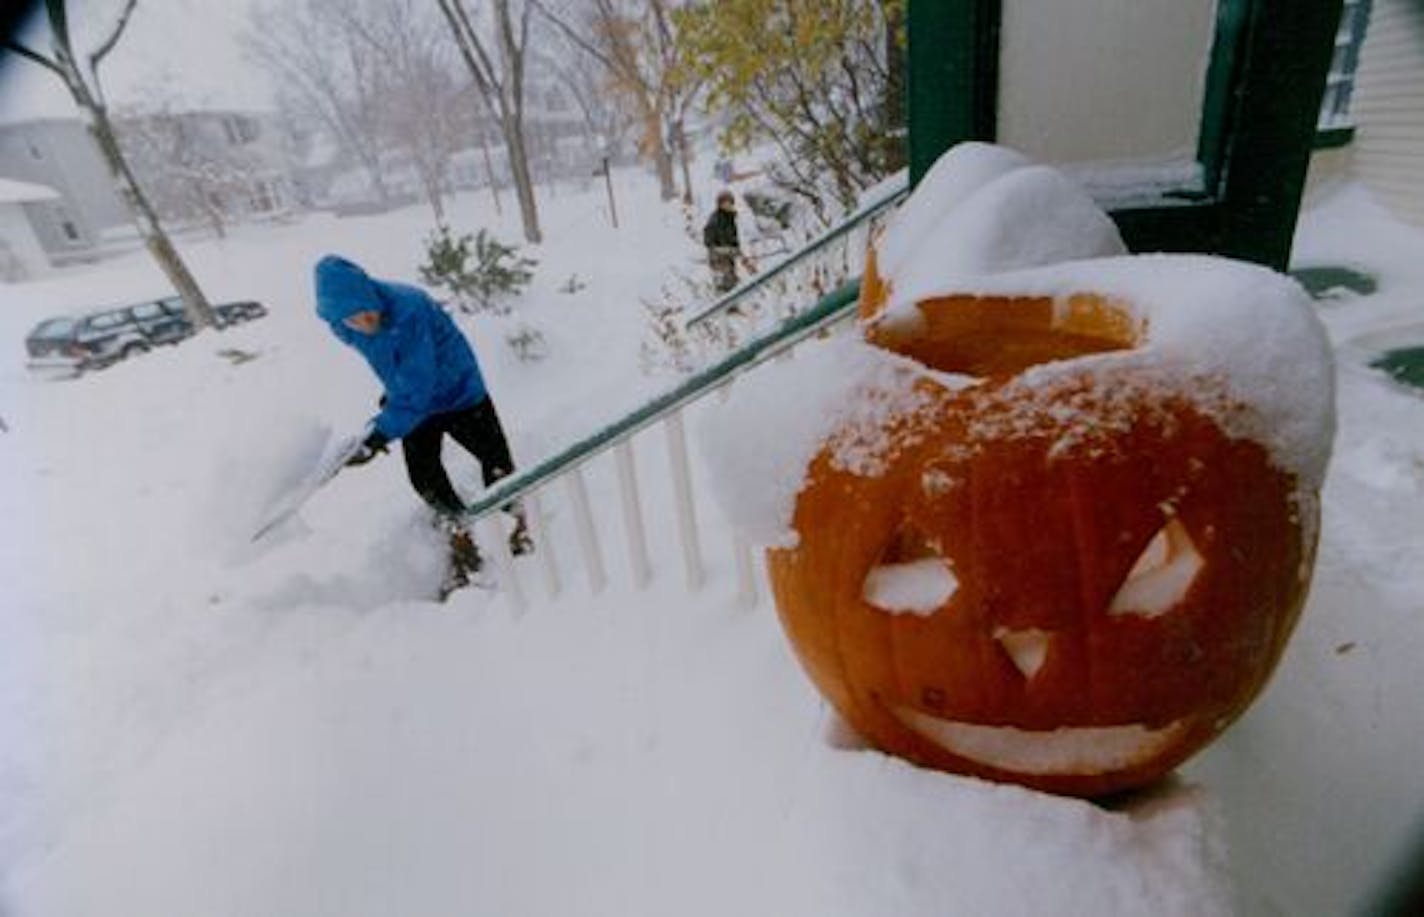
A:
<point x="324" y="470"/>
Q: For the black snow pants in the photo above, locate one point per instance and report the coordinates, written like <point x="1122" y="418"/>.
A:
<point x="477" y="429"/>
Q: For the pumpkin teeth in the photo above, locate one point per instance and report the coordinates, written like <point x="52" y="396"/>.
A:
<point x="1162" y="575"/>
<point x="1082" y="750"/>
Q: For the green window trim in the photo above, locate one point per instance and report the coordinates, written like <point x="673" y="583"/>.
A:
<point x="1334" y="137"/>
<point x="1264" y="86"/>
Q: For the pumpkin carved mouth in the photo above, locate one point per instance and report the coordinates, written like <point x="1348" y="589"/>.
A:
<point x="1067" y="750"/>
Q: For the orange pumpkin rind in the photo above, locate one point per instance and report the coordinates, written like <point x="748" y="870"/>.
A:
<point x="1126" y="561"/>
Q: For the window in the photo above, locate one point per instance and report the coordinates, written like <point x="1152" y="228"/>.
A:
<point x="1340" y="82"/>
<point x="239" y="129"/>
<point x="106" y="320"/>
<point x="71" y="232"/>
<point x="262" y="197"/>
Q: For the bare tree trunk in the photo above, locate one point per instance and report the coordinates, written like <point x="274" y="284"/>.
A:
<point x="662" y="157"/>
<point x="679" y="132"/>
<point x="215" y="220"/>
<point x="432" y="185"/>
<point x="512" y="102"/>
<point x="433" y="195"/>
<point x="66" y="66"/>
<point x="372" y="167"/>
<point x="503" y="91"/>
<point x="154" y="238"/>
<point x="489" y="171"/>
<point x="646" y="84"/>
<point x="523" y="182"/>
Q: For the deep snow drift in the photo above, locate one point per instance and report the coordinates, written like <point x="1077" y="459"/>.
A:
<point x="192" y="725"/>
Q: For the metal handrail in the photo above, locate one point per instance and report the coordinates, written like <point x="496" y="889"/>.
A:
<point x="828" y="310"/>
<point x="899" y="191"/>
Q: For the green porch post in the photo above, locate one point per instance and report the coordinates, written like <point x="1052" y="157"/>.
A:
<point x="953" y="76"/>
<point x="1266" y="75"/>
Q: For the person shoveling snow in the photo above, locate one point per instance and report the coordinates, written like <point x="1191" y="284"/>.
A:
<point x="433" y="387"/>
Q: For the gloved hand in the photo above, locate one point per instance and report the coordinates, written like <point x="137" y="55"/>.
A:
<point x="373" y="445"/>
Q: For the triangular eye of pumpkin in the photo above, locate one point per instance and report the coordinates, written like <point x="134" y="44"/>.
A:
<point x="1164" y="571"/>
<point x="912" y="576"/>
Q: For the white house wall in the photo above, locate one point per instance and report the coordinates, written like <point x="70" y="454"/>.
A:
<point x="1387" y="155"/>
<point x="58" y="153"/>
<point x="1077" y="84"/>
<point x="21" y="257"/>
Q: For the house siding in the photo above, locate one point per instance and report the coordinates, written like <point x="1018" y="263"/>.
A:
<point x="1387" y="155"/>
<point x="21" y="257"/>
<point x="60" y="154"/>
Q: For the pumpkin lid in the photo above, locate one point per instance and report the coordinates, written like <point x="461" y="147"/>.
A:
<point x="982" y="209"/>
<point x="1226" y="334"/>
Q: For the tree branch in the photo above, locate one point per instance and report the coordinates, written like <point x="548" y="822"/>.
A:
<point x="113" y="39"/>
<point x="33" y="56"/>
<point x="472" y="50"/>
<point x="572" y="35"/>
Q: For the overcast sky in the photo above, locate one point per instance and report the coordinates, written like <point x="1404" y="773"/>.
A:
<point x="189" y="46"/>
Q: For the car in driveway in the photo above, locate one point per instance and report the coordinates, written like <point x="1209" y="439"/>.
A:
<point x="233" y="313"/>
<point x="71" y="345"/>
<point x="163" y="321"/>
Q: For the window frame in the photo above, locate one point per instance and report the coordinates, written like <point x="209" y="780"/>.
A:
<point x="1335" y="127"/>
<point x="1265" y="79"/>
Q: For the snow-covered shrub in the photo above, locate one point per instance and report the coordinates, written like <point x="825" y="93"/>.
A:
<point x="527" y="342"/>
<point x="479" y="272"/>
<point x="668" y="343"/>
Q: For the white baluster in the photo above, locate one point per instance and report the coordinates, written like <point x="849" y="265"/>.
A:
<point x="588" y="535"/>
<point x="682" y="494"/>
<point x="497" y="540"/>
<point x="632" y="513"/>
<point x="543" y="543"/>
<point x="746" y="573"/>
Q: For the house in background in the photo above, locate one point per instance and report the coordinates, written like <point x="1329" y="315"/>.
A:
<point x="1372" y="115"/>
<point x="558" y="144"/>
<point x="209" y="168"/>
<point x="21" y="255"/>
<point x="59" y="154"/>
<point x="200" y="169"/>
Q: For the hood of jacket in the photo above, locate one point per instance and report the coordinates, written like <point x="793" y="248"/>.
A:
<point x="343" y="289"/>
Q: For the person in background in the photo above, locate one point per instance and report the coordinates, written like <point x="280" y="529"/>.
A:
<point x="724" y="248"/>
<point x="433" y="388"/>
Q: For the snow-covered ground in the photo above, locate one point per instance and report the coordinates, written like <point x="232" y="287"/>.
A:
<point x="190" y="724"/>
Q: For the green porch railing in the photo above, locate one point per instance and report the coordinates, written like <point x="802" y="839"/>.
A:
<point x="828" y="310"/>
<point x="617" y="437"/>
<point x="893" y="196"/>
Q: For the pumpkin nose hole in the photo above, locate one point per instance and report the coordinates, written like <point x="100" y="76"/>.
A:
<point x="911" y="576"/>
<point x="1027" y="649"/>
<point x="1162" y="575"/>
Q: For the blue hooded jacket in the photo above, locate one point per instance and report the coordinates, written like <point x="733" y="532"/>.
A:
<point x="420" y="356"/>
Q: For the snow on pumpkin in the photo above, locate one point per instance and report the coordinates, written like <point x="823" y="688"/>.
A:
<point x="1085" y="489"/>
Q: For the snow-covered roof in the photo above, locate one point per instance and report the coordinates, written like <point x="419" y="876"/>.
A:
<point x="19" y="192"/>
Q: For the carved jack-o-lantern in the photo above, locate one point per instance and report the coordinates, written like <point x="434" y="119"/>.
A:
<point x="1071" y="571"/>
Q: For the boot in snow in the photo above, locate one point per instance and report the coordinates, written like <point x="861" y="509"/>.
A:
<point x="464" y="563"/>
<point x="520" y="541"/>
